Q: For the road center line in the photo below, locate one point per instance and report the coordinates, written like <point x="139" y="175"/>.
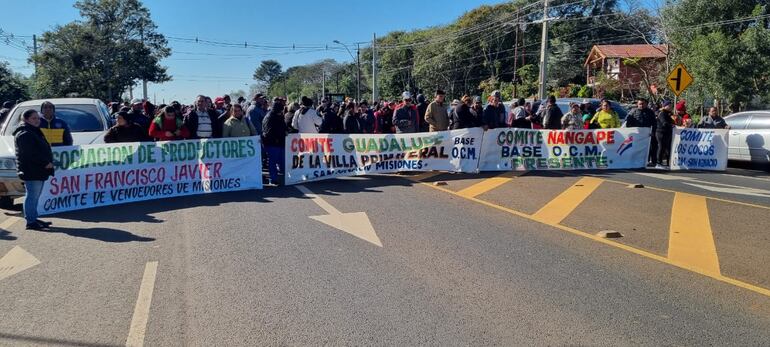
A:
<point x="142" y="310"/>
<point x="560" y="207"/>
<point x="690" y="240"/>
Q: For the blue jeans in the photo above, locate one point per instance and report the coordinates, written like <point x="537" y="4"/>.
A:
<point x="34" y="189"/>
<point x="274" y="162"/>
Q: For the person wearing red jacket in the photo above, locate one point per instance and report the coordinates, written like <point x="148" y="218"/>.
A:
<point x="168" y="127"/>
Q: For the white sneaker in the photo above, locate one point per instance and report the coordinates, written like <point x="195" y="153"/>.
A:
<point x="660" y="167"/>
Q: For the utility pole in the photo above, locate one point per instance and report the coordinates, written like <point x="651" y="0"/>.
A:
<point x="515" y="52"/>
<point x="323" y="84"/>
<point x="144" y="80"/>
<point x="543" y="53"/>
<point x="34" y="49"/>
<point x="358" y="72"/>
<point x="374" y="68"/>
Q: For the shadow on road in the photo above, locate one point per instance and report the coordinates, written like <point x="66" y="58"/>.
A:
<point x="19" y="339"/>
<point x="6" y="236"/>
<point x="101" y="234"/>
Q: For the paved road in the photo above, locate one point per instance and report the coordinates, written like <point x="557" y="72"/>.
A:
<point x="483" y="260"/>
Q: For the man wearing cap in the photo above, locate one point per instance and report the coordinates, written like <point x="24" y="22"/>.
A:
<point x="406" y="119"/>
<point x="436" y="113"/>
<point x="136" y="115"/>
<point x="203" y="122"/>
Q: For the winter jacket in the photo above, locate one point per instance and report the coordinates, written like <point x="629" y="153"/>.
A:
<point x="552" y="117"/>
<point x="56" y="132"/>
<point x="331" y="123"/>
<point x="463" y="117"/>
<point x="478" y="115"/>
<point x="436" y="115"/>
<point x="368" y="122"/>
<point x="665" y="122"/>
<point x="306" y="122"/>
<point x="255" y="115"/>
<point x="138" y="118"/>
<point x="712" y="123"/>
<point x="238" y="127"/>
<point x="191" y="122"/>
<point x="352" y="123"/>
<point x="273" y="129"/>
<point x="128" y="133"/>
<point x="406" y="119"/>
<point x="644" y="118"/>
<point x="492" y="116"/>
<point x="606" y="120"/>
<point x="160" y="125"/>
<point x="33" y="153"/>
<point x="383" y="121"/>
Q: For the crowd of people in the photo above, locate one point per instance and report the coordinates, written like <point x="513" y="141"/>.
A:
<point x="140" y="120"/>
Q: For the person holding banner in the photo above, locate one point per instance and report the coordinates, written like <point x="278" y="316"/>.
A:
<point x="494" y="113"/>
<point x="406" y="118"/>
<point x="34" y="164"/>
<point x="663" y="133"/>
<point x="573" y="120"/>
<point x="236" y="125"/>
<point x="606" y="117"/>
<point x="168" y="127"/>
<point x="124" y="130"/>
<point x="643" y="117"/>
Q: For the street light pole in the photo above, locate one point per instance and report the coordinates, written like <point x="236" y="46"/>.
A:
<point x="358" y="68"/>
<point x="543" y="53"/>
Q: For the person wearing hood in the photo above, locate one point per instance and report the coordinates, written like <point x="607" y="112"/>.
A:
<point x="422" y="108"/>
<point x="274" y="139"/>
<point x="236" y="125"/>
<point x="124" y="131"/>
<point x="306" y="119"/>
<point x="55" y="130"/>
<point x="406" y="119"/>
<point x="436" y="114"/>
<point x="34" y="164"/>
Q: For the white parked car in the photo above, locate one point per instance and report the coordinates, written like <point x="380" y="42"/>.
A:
<point x="749" y="136"/>
<point x="88" y="119"/>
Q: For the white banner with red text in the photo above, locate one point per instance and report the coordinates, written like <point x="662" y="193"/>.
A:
<point x="699" y="149"/>
<point x="107" y="174"/>
<point x="312" y="157"/>
<point x="515" y="149"/>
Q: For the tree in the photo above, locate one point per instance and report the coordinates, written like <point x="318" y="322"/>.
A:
<point x="13" y="86"/>
<point x="267" y="72"/>
<point x="101" y="55"/>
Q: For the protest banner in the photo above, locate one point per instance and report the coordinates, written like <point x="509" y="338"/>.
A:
<point x="699" y="149"/>
<point x="107" y="174"/>
<point x="311" y="157"/>
<point x="513" y="149"/>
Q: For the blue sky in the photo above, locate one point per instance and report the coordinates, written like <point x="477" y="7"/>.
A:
<point x="210" y="70"/>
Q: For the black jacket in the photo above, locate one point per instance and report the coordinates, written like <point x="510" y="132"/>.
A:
<point x="421" y="109"/>
<point x="191" y="122"/>
<point x="352" y="123"/>
<point x="130" y="133"/>
<point x="274" y="129"/>
<point x="331" y="123"/>
<point x="641" y="119"/>
<point x="462" y="117"/>
<point x="138" y="118"/>
<point x="491" y="116"/>
<point x="552" y="117"/>
<point x="33" y="153"/>
<point x="664" y="122"/>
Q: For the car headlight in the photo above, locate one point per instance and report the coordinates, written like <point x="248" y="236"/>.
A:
<point x="7" y="164"/>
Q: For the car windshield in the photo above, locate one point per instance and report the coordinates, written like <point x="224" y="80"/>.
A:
<point x="80" y="118"/>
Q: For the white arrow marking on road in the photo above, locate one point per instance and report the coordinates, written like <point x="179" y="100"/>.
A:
<point x="355" y="223"/>
<point x="707" y="185"/>
<point x="15" y="261"/>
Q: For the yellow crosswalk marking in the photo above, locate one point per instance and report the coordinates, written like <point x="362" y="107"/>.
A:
<point x="483" y="186"/>
<point x="690" y="241"/>
<point x="560" y="207"/>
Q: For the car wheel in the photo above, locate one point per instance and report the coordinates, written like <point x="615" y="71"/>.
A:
<point x="6" y="202"/>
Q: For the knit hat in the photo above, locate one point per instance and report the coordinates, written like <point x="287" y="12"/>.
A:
<point x="680" y="106"/>
<point x="666" y="103"/>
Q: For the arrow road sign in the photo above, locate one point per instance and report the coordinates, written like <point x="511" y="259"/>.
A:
<point x="679" y="79"/>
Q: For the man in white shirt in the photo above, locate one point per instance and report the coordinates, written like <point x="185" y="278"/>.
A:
<point x="306" y="119"/>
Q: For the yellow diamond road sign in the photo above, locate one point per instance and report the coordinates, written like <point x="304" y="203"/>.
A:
<point x="679" y="79"/>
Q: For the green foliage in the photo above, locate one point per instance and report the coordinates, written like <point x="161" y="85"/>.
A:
<point x="101" y="55"/>
<point x="307" y="80"/>
<point x="13" y="86"/>
<point x="607" y="87"/>
<point x="585" y="92"/>
<point x="529" y="77"/>
<point x="730" y="61"/>
<point x="268" y="71"/>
